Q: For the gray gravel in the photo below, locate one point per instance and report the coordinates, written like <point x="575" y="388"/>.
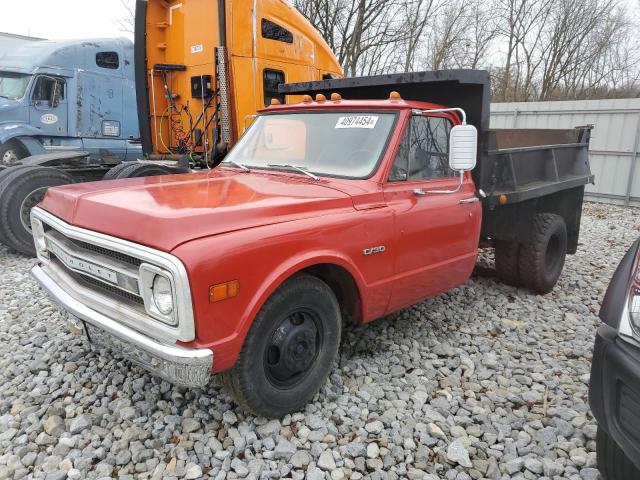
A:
<point x="486" y="381"/>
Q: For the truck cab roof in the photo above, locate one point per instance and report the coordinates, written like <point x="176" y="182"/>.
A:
<point x="347" y="104"/>
<point x="63" y="57"/>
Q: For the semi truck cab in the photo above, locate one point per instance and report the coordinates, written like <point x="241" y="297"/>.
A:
<point x="59" y="96"/>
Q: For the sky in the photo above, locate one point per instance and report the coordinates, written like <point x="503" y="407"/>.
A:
<point x="64" y="19"/>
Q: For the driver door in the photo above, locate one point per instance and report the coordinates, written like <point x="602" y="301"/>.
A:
<point x="436" y="234"/>
<point x="48" y="107"/>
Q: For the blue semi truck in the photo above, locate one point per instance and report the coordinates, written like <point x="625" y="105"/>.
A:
<point x="76" y="97"/>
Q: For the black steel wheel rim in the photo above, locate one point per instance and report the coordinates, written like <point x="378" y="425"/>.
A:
<point x="292" y="348"/>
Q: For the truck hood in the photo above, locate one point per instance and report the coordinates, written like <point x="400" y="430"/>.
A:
<point x="166" y="211"/>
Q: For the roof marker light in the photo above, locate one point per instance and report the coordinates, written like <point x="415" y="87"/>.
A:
<point x="307" y="99"/>
<point x="320" y="98"/>
<point x="394" y="95"/>
<point x="336" y="97"/>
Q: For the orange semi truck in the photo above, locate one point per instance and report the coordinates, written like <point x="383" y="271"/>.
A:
<point x="203" y="68"/>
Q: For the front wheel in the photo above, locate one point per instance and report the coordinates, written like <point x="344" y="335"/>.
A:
<point x="11" y="153"/>
<point x="613" y="463"/>
<point x="289" y="350"/>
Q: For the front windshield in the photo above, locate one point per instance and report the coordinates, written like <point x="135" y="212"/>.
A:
<point x="13" y="85"/>
<point x="323" y="143"/>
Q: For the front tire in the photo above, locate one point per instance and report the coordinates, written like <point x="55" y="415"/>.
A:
<point x="289" y="350"/>
<point x="21" y="189"/>
<point x="612" y="461"/>
<point x="11" y="153"/>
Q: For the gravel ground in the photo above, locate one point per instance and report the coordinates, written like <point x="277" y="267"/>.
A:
<point x="486" y="381"/>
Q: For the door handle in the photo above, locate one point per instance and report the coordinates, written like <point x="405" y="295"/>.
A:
<point x="469" y="200"/>
<point x="419" y="192"/>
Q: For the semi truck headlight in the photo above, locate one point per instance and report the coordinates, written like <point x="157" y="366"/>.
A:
<point x="37" y="229"/>
<point x="162" y="294"/>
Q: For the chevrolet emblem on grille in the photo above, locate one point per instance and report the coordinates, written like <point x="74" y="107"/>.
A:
<point x="80" y="265"/>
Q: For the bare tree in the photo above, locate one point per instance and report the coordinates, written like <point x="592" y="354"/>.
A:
<point x="127" y="22"/>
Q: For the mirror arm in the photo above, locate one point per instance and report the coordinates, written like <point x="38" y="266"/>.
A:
<point x="456" y="190"/>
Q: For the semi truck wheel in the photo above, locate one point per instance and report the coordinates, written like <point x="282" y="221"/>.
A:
<point x="506" y="259"/>
<point x="612" y="461"/>
<point x="289" y="350"/>
<point x="11" y="152"/>
<point x="144" y="170"/>
<point x="113" y="173"/>
<point x="541" y="258"/>
<point x="21" y="189"/>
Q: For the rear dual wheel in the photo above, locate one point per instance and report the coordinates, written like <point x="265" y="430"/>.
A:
<point x="537" y="263"/>
<point x="289" y="350"/>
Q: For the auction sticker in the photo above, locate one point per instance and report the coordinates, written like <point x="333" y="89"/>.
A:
<point x="357" y="121"/>
<point x="49" y="118"/>
<point x="199" y="48"/>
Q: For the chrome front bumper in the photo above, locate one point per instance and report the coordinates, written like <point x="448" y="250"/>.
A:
<point x="188" y="367"/>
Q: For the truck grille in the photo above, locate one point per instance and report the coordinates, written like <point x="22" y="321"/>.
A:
<point x="114" y="274"/>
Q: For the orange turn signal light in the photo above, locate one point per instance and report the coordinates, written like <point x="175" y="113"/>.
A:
<point x="502" y="199"/>
<point x="222" y="291"/>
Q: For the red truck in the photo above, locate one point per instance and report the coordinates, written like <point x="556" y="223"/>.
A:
<point x="342" y="208"/>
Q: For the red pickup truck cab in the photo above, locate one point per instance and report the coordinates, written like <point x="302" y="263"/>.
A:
<point x="326" y="211"/>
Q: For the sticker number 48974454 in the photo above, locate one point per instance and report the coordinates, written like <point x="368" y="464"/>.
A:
<point x="357" y="121"/>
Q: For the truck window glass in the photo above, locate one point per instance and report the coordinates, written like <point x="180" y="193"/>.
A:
<point x="342" y="144"/>
<point x="44" y="88"/>
<point x="271" y="80"/>
<point x="273" y="31"/>
<point x="13" y="85"/>
<point x="108" y="60"/>
<point x="426" y="151"/>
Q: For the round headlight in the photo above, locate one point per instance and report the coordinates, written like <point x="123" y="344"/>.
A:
<point x="162" y="295"/>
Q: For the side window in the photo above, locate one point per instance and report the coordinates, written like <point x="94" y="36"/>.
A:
<point x="273" y="31"/>
<point x="43" y="90"/>
<point x="271" y="80"/>
<point x="108" y="60"/>
<point x="425" y="155"/>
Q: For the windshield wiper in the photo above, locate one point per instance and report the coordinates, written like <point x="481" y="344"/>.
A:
<point x="236" y="164"/>
<point x="293" y="167"/>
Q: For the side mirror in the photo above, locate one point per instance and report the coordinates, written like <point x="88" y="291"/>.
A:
<point x="463" y="146"/>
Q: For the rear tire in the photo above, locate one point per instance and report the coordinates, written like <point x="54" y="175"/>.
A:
<point x="113" y="173"/>
<point x="22" y="188"/>
<point x="11" y="152"/>
<point x="137" y="169"/>
<point x="289" y="350"/>
<point x="542" y="257"/>
<point x="507" y="264"/>
<point x="613" y="463"/>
